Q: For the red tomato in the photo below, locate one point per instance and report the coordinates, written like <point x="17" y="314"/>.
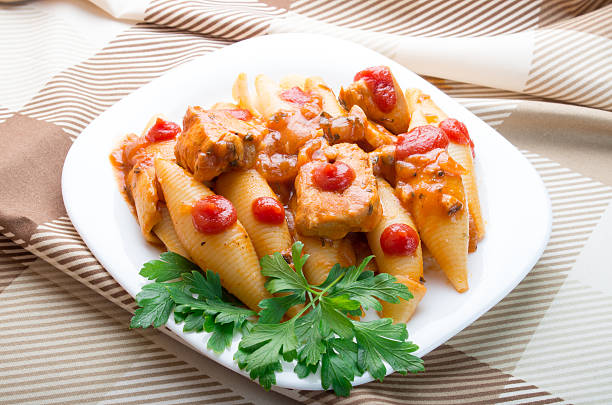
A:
<point x="162" y="131"/>
<point x="399" y="239"/>
<point x="457" y="132"/>
<point x="295" y="95"/>
<point x="240" y="113"/>
<point x="213" y="214"/>
<point x="335" y="176"/>
<point x="268" y="210"/>
<point x="420" y="140"/>
<point x="380" y="82"/>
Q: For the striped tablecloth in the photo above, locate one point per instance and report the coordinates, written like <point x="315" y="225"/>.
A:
<point x="540" y="72"/>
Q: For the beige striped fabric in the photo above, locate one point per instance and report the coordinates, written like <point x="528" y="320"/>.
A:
<point x="64" y="337"/>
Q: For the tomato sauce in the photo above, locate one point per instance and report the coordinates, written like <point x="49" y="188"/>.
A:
<point x="420" y="140"/>
<point x="337" y="176"/>
<point x="399" y="240"/>
<point x="162" y="130"/>
<point x="213" y="214"/>
<point x="457" y="132"/>
<point x="295" y="95"/>
<point x="239" y="113"/>
<point x="431" y="180"/>
<point x="380" y="83"/>
<point x="132" y="156"/>
<point x="268" y="210"/>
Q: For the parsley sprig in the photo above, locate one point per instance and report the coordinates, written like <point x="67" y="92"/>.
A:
<point x="197" y="299"/>
<point x="321" y="335"/>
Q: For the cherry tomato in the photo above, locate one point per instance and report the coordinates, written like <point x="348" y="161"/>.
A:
<point x="240" y="113"/>
<point x="457" y="132"/>
<point x="337" y="176"/>
<point x="213" y="214"/>
<point x="268" y="210"/>
<point x="295" y="95"/>
<point x="399" y="240"/>
<point x="162" y="130"/>
<point x="420" y="140"/>
<point x="380" y="83"/>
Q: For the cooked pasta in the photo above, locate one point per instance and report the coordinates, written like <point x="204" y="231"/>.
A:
<point x="369" y="172"/>
<point x="293" y="80"/>
<point x="165" y="231"/>
<point x="324" y="253"/>
<point x="229" y="253"/>
<point x="447" y="239"/>
<point x="424" y="111"/>
<point x="242" y="188"/>
<point x="403" y="311"/>
<point x="242" y="95"/>
<point x="330" y="102"/>
<point x="410" y="266"/>
<point x="144" y="193"/>
<point x="268" y="100"/>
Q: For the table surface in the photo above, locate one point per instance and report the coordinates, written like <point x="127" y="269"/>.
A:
<point x="65" y="339"/>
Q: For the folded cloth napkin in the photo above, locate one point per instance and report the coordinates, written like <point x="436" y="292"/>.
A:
<point x="509" y="62"/>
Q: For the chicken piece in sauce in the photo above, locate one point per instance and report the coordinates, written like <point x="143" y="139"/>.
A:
<point x="336" y="193"/>
<point x="292" y="116"/>
<point x="376" y="91"/>
<point x="216" y="141"/>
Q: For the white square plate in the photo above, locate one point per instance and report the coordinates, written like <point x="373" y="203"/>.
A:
<point x="516" y="207"/>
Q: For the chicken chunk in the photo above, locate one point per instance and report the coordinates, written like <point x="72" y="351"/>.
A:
<point x="333" y="214"/>
<point x="216" y="141"/>
<point x="376" y="91"/>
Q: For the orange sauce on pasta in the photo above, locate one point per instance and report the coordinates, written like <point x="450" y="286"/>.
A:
<point x="431" y="180"/>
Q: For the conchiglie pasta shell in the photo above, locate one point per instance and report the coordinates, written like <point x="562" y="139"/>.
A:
<point x="163" y="149"/>
<point x="229" y="253"/>
<point x="329" y="101"/>
<point x="323" y="255"/>
<point x="462" y="154"/>
<point x="403" y="311"/>
<point x="446" y="237"/>
<point x="394" y="213"/>
<point x="164" y="230"/>
<point x="268" y="100"/>
<point x="291" y="81"/>
<point x="242" y="188"/>
<point x="144" y="193"/>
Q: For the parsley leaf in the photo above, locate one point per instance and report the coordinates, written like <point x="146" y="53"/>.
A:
<point x="338" y="366"/>
<point x="308" y="332"/>
<point x="365" y="288"/>
<point x="382" y="340"/>
<point x="264" y="348"/>
<point x="282" y="276"/>
<point x="156" y="306"/>
<point x="273" y="309"/>
<point x="206" y="287"/>
<point x="206" y="312"/>
<point x="169" y="267"/>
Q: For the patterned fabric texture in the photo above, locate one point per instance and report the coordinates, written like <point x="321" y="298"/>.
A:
<point x="540" y="72"/>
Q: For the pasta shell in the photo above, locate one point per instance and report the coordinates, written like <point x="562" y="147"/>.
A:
<point x="462" y="154"/>
<point x="242" y="188"/>
<point x="229" y="253"/>
<point x="393" y="213"/>
<point x="447" y="238"/>
<point x="324" y="254"/>
<point x="164" y="230"/>
<point x="403" y="311"/>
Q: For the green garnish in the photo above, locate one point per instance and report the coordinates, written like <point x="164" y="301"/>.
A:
<point x="320" y="335"/>
<point x="176" y="281"/>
